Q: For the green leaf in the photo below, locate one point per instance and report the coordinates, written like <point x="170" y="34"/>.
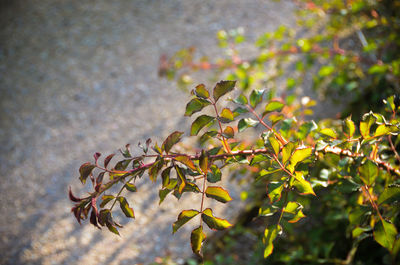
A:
<point x="256" y="97"/>
<point x="186" y="161"/>
<point x="245" y="123"/>
<point x="258" y="158"/>
<point x="181" y="179"/>
<point x="389" y="195"/>
<point x="122" y="165"/>
<point x="295" y="211"/>
<point x="226" y="115"/>
<point x="238" y="111"/>
<point x="201" y="91"/>
<point x="348" y="127"/>
<point x="85" y="170"/>
<point x="223" y="87"/>
<point x="241" y="99"/>
<point x="228" y="132"/>
<point x="305" y="129"/>
<point x="171" y="140"/>
<point x="162" y="194"/>
<point x="218" y="194"/>
<point x="328" y="132"/>
<point x="302" y="185"/>
<point x="384" y="129"/>
<point x="214" y="222"/>
<point x="199" y="123"/>
<point x="196" y="239"/>
<point x="275" y="144"/>
<point x="273" y="106"/>
<point x="112" y="228"/>
<point x="207" y="136"/>
<point x="385" y="234"/>
<point x="203" y="162"/>
<point x="267" y="210"/>
<point x="270" y="233"/>
<point x="365" y="126"/>
<point x="215" y="174"/>
<point x="390" y="103"/>
<point x="287" y="151"/>
<point x="106" y="199"/>
<point x="298" y="156"/>
<point x="155" y="168"/>
<point x="130" y="187"/>
<point x="196" y="105"/>
<point x="183" y="218"/>
<point x="368" y="172"/>
<point x="356" y="232"/>
<point x="275" y="191"/>
<point x="165" y="175"/>
<point x="123" y="203"/>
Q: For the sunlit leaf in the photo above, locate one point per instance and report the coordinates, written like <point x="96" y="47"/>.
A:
<point x="171" y="140"/>
<point x="270" y="233"/>
<point x="199" y="123"/>
<point x="267" y="210"/>
<point x="328" y="132"/>
<point x="228" y="132"/>
<point x="298" y="156"/>
<point x="184" y="217"/>
<point x="223" y="87"/>
<point x="365" y="126"/>
<point x="214" y="222"/>
<point x="287" y="151"/>
<point x="226" y="115"/>
<point x="106" y="199"/>
<point x="275" y="191"/>
<point x="348" y="127"/>
<point x="368" y="172"/>
<point x="123" y="203"/>
<point x="385" y="234"/>
<point x="186" y="161"/>
<point x="181" y="179"/>
<point x="130" y="187"/>
<point x="203" y="162"/>
<point x="273" y="106"/>
<point x="201" y="91"/>
<point x="196" y="239"/>
<point x="389" y="195"/>
<point x="275" y="144"/>
<point x="302" y="185"/>
<point x="384" y="129"/>
<point x="218" y="194"/>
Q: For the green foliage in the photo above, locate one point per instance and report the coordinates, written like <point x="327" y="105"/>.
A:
<point x="347" y="48"/>
<point x="290" y="165"/>
<point x="317" y="192"/>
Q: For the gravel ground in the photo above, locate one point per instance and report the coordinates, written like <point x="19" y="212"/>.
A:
<point x="81" y="76"/>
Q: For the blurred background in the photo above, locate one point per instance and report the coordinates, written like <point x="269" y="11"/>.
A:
<point x="78" y="77"/>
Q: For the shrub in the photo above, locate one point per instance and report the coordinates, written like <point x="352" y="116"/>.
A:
<point x="293" y="159"/>
<point x="342" y="173"/>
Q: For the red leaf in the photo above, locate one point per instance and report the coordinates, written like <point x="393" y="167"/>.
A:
<point x="72" y="197"/>
<point x="108" y="159"/>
